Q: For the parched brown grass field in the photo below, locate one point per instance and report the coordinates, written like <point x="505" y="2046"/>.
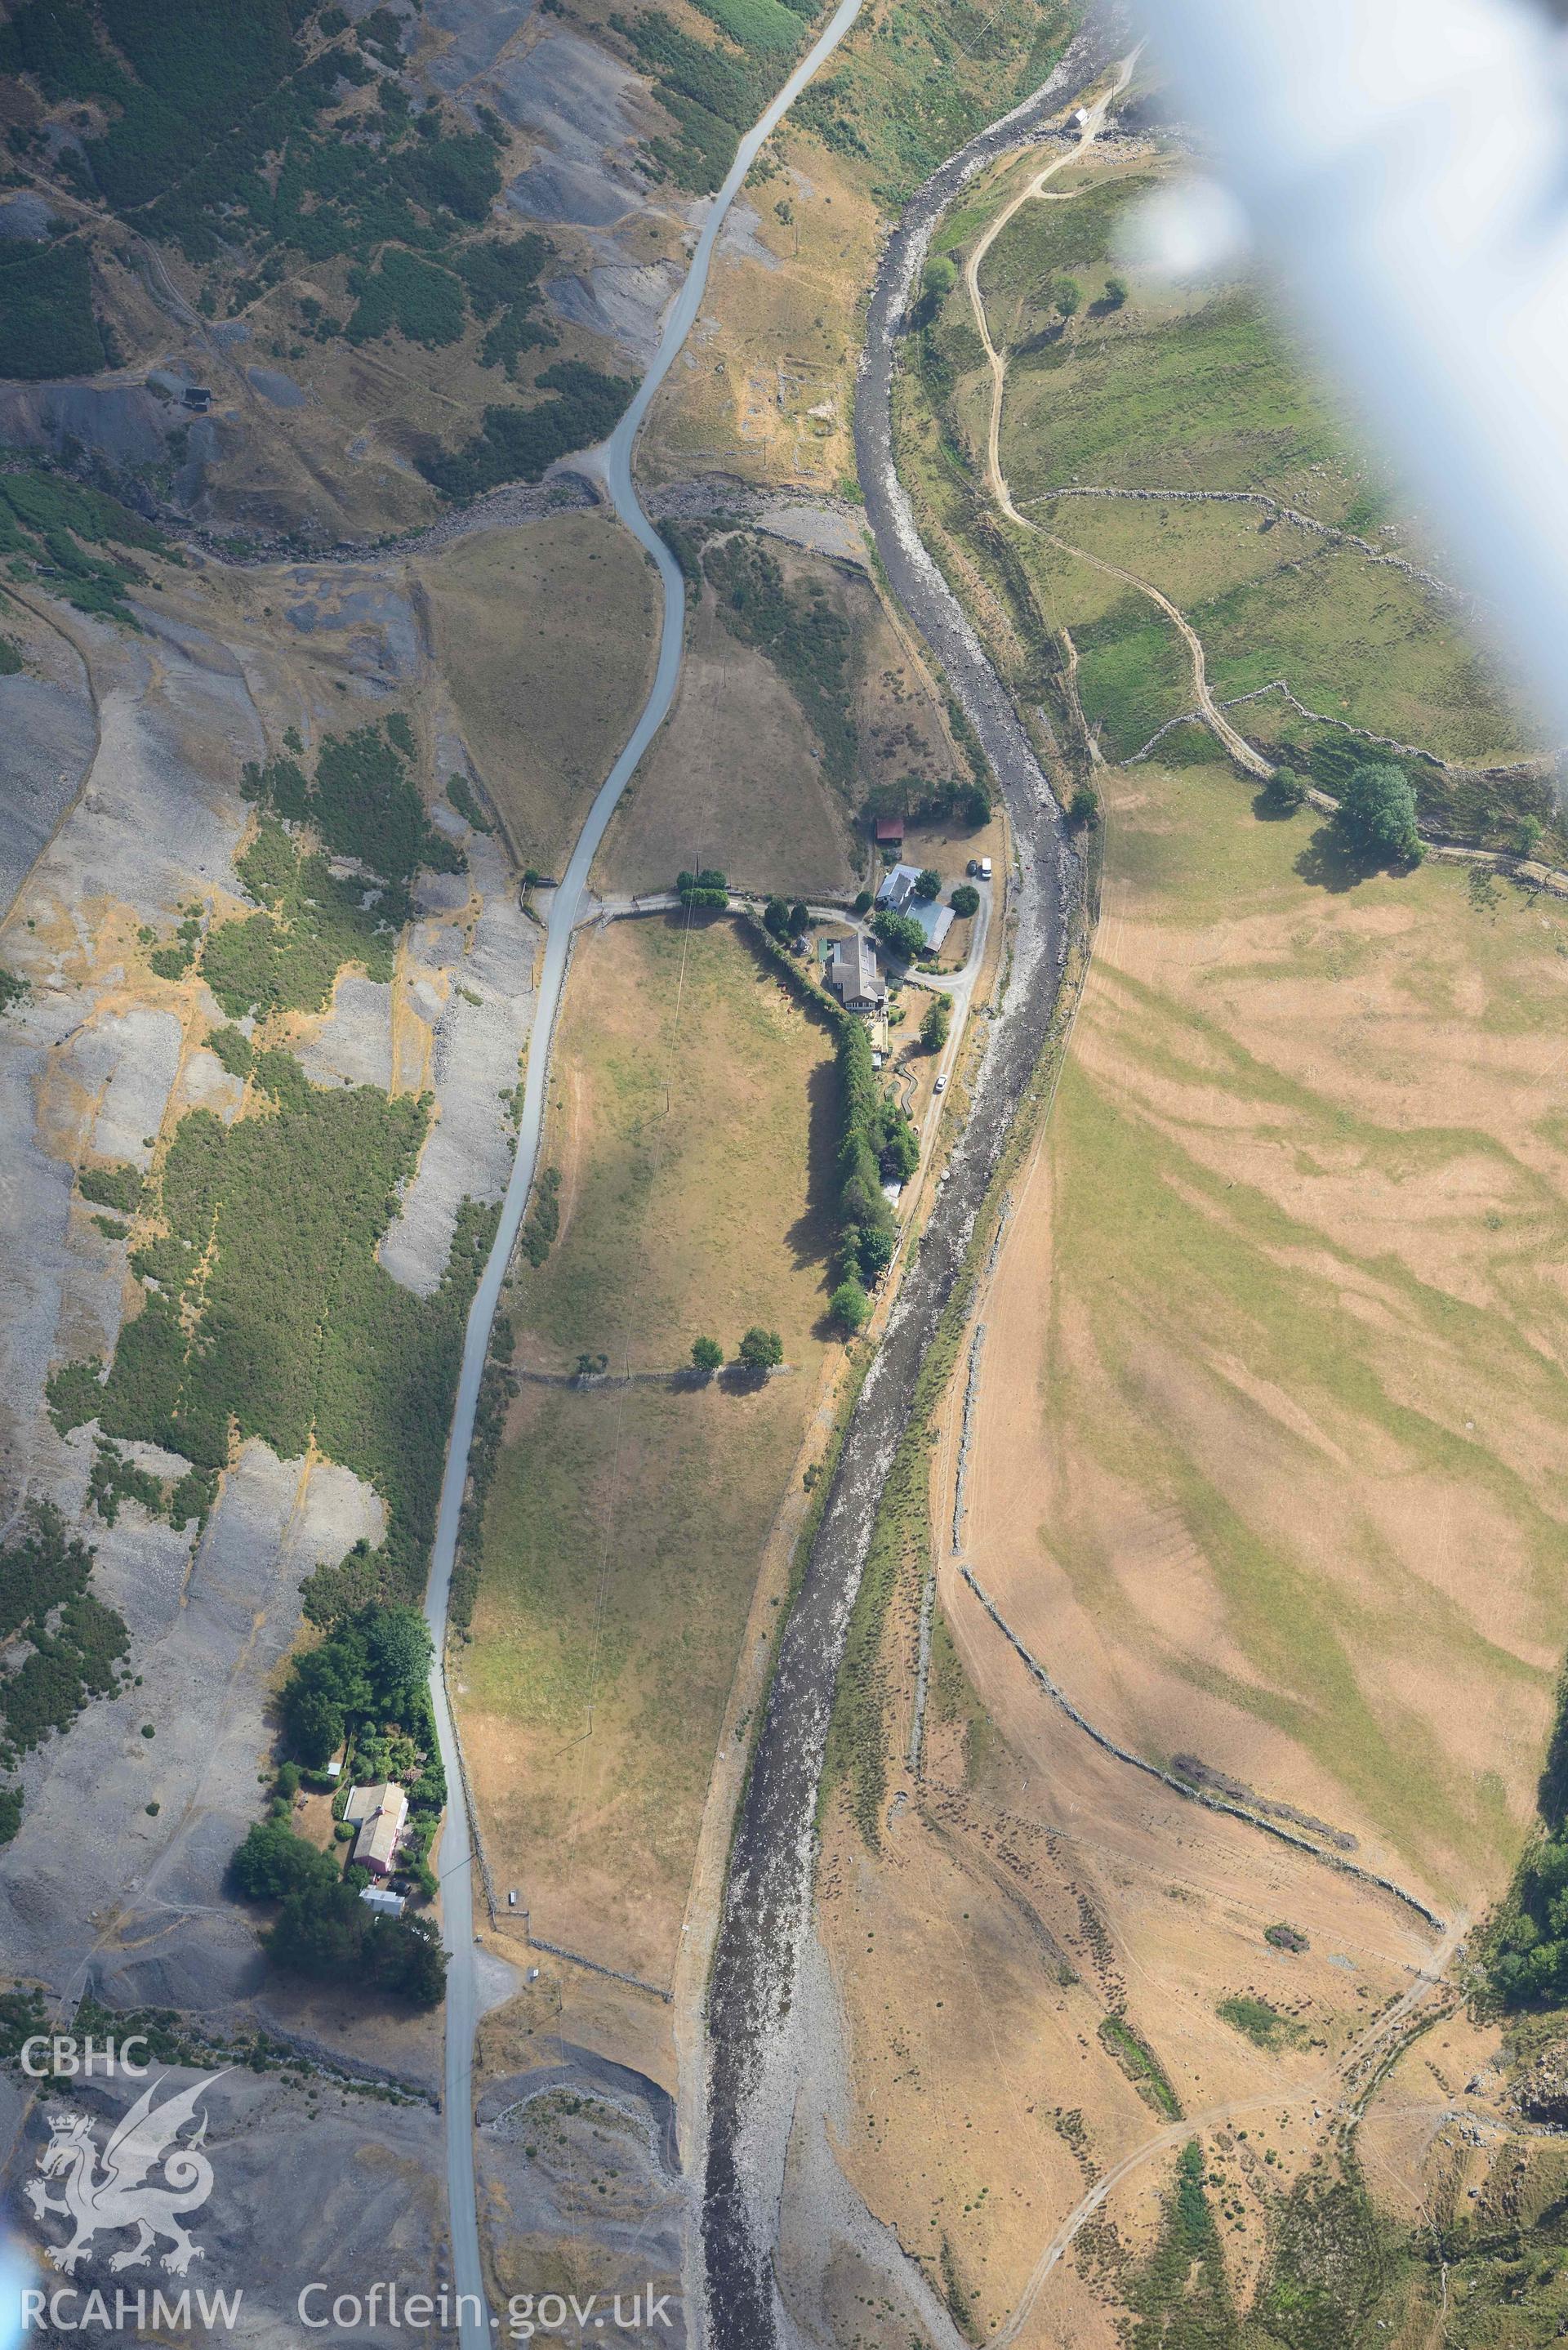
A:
<point x="544" y="634"/>
<point x="1268" y="1453"/>
<point x="736" y="777"/>
<point x="691" y="1118"/>
<point x="1266" y="1470"/>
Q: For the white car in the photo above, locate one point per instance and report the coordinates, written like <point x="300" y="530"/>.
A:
<point x="985" y="869"/>
<point x="941" y="1086"/>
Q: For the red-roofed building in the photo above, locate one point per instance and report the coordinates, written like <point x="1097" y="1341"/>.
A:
<point x="889" y="832"/>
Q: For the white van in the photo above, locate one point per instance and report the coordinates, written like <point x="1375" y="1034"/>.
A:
<point x="985" y="869"/>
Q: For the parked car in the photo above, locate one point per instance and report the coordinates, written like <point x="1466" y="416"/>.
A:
<point x="985" y="869"/>
<point x="972" y="868"/>
<point x="941" y="1086"/>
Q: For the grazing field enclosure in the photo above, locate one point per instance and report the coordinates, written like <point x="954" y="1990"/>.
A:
<point x="692" y="1123"/>
<point x="545" y="636"/>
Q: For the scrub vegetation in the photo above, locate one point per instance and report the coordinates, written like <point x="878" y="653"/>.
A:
<point x="59" y="1646"/>
<point x="52" y="530"/>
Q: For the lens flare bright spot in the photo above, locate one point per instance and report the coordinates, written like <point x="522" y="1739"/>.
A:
<point x="18" y="2274"/>
<point x="1188" y="232"/>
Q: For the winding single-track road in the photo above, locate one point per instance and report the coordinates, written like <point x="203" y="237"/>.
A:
<point x="613" y="465"/>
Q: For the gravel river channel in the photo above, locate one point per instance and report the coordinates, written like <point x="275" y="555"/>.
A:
<point x="767" y="1897"/>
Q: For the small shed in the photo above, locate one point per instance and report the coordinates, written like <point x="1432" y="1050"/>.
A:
<point x="889" y="832"/>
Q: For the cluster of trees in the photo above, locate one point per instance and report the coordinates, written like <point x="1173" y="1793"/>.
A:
<point x="46" y="323"/>
<point x="53" y="523"/>
<point x="520" y="445"/>
<point x="373" y="1666"/>
<point x="465" y="800"/>
<point x="538" y="1236"/>
<point x="75" y="1643"/>
<point x="219" y="136"/>
<point x="1377" y="813"/>
<point x="926" y="799"/>
<point x="712" y="93"/>
<point x="708" y="887"/>
<point x="364" y="803"/>
<point x="366" y="1684"/>
<point x="760" y="1350"/>
<point x="784" y="920"/>
<point x="288" y="956"/>
<point x="878" y="1145"/>
<point x="899" y="933"/>
<point x="267" y="1247"/>
<point x="1530" y="1960"/>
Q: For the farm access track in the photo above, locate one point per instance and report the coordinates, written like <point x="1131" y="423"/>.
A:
<point x="1208" y="710"/>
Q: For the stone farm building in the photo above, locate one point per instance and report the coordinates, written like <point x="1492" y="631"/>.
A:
<point x="853" y="975"/>
<point x="899" y="895"/>
<point x="379" y="1814"/>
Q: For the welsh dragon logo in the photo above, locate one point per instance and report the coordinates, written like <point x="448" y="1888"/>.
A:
<point x="122" y="2194"/>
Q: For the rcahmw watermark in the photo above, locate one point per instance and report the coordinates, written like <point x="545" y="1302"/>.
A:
<point x="70" y="2310"/>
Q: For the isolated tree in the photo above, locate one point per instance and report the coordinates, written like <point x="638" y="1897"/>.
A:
<point x="940" y="277"/>
<point x="760" y="1349"/>
<point x="1066" y="294"/>
<point x="965" y="900"/>
<point x="929" y="884"/>
<point x="849" y="1305"/>
<point x="800" y="917"/>
<point x="1284" y="790"/>
<point x="707" y="1356"/>
<point x="1115" y="293"/>
<point x="776" y="915"/>
<point x="863" y="901"/>
<point x="934" y="1028"/>
<point x="1378" y="812"/>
